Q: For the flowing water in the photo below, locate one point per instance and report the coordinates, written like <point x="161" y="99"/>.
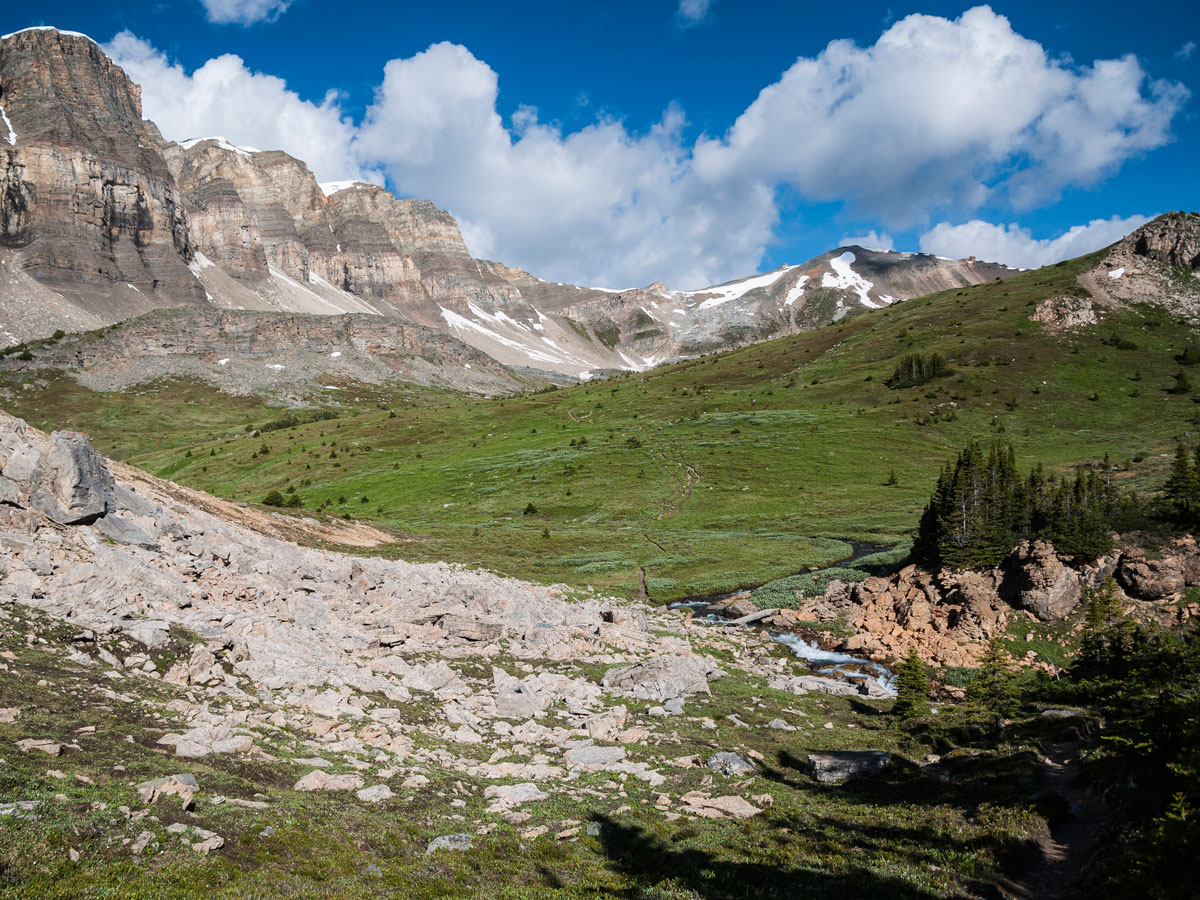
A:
<point x="829" y="663"/>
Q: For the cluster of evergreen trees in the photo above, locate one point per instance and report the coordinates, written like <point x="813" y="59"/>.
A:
<point x="916" y="369"/>
<point x="1182" y="489"/>
<point x="982" y="508"/>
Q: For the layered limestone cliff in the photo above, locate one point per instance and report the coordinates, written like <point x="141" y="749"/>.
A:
<point x="86" y="200"/>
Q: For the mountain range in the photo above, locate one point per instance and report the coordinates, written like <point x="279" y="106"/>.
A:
<point x="103" y="220"/>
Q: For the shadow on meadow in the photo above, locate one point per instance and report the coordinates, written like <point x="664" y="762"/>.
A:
<point x="655" y="867"/>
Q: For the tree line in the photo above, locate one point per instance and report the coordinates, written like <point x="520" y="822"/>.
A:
<point x="982" y="508"/>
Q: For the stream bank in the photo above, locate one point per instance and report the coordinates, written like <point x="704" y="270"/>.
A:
<point x="873" y="678"/>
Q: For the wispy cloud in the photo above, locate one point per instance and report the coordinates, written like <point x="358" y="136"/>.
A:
<point x="244" y="12"/>
<point x="1186" y="51"/>
<point x="693" y="12"/>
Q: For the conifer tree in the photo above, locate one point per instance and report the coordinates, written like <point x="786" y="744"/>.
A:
<point x="995" y="688"/>
<point x="981" y="508"/>
<point x="1102" y="611"/>
<point x="1183" y="486"/>
<point x="912" y="687"/>
<point x="1183" y="384"/>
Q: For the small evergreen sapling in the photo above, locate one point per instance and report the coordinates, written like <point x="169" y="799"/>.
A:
<point x="995" y="688"/>
<point x="912" y="687"/>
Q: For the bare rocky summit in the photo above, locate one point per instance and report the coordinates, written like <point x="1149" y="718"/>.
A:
<point x="1158" y="264"/>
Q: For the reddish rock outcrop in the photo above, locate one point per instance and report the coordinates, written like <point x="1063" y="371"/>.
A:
<point x="950" y="616"/>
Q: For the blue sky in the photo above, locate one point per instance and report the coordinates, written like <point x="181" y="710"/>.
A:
<point x="697" y="140"/>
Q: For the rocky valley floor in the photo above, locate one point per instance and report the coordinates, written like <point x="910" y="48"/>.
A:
<point x="191" y="708"/>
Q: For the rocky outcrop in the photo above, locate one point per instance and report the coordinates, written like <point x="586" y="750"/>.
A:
<point x="61" y="477"/>
<point x="1164" y="578"/>
<point x="260" y="352"/>
<point x="951" y="615"/>
<point x="1037" y="580"/>
<point x="1173" y="239"/>
<point x="1158" y="263"/>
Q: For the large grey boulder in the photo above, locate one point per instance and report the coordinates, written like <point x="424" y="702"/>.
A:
<point x="663" y="677"/>
<point x="592" y="757"/>
<point x="61" y="476"/>
<point x="728" y="763"/>
<point x="1040" y="581"/>
<point x="1151" y="579"/>
<point x="846" y="765"/>
<point x="803" y="684"/>
<point x="74" y="486"/>
<point x="458" y="842"/>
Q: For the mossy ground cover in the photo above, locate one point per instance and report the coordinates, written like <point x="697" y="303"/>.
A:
<point x="715" y="473"/>
<point x="903" y="834"/>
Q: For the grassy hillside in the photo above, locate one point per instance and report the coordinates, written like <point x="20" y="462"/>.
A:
<point x="713" y="473"/>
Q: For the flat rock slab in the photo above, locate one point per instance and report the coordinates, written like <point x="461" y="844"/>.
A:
<point x="731" y="764"/>
<point x="594" y="757"/>
<point x="663" y="677"/>
<point x="513" y="795"/>
<point x="376" y="793"/>
<point x="457" y="842"/>
<point x="323" y="781"/>
<point x="30" y="744"/>
<point x="719" y="807"/>
<point x="845" y="765"/>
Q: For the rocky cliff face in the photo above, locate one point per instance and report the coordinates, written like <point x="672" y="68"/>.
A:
<point x="86" y="199"/>
<point x="1158" y="264"/>
<point x="951" y="615"/>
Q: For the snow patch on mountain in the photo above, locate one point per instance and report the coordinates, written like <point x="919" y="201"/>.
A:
<point x="245" y="152"/>
<point x="797" y="291"/>
<point x="50" y="28"/>
<point x="329" y="188"/>
<point x="454" y="320"/>
<point x="845" y="278"/>
<point x="737" y="289"/>
<point x="12" y="135"/>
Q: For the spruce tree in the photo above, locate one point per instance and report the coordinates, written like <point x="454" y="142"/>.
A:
<point x="1183" y="486"/>
<point x="912" y="687"/>
<point x="995" y="688"/>
<point x="1102" y="611"/>
<point x="1182" y="384"/>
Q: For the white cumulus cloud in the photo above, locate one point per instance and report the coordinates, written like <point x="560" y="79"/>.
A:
<point x="693" y="12"/>
<point x="597" y="205"/>
<point x="942" y="113"/>
<point x="934" y="120"/>
<point x="225" y="98"/>
<point x="244" y="12"/>
<point x="1016" y="246"/>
